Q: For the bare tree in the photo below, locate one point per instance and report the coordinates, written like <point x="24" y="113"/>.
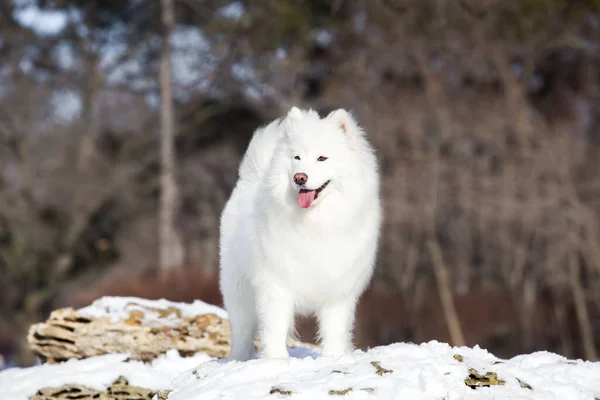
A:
<point x="171" y="251"/>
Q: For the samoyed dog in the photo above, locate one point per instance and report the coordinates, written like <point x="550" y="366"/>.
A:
<point x="299" y="233"/>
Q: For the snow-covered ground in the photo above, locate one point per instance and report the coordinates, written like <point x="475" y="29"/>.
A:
<point x="400" y="371"/>
<point x="96" y="373"/>
<point x="432" y="371"/>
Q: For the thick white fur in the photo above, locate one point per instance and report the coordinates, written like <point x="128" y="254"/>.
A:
<point x="278" y="259"/>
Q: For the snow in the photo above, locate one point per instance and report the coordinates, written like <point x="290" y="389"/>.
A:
<point x="406" y="371"/>
<point x="420" y="372"/>
<point x="96" y="373"/>
<point x="119" y="308"/>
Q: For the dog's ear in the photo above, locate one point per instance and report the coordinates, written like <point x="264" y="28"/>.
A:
<point x="295" y="113"/>
<point x="346" y="122"/>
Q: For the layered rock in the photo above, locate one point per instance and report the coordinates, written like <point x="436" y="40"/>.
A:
<point x="68" y="334"/>
<point x="119" y="390"/>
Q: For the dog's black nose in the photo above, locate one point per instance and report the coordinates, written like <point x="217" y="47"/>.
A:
<point x="300" y="179"/>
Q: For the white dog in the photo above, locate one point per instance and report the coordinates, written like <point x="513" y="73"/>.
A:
<point x="299" y="233"/>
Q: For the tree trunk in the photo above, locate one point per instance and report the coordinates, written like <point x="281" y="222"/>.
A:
<point x="526" y="312"/>
<point x="587" y="336"/>
<point x="86" y="141"/>
<point x="436" y="96"/>
<point x="445" y="292"/>
<point x="560" y="313"/>
<point x="170" y="247"/>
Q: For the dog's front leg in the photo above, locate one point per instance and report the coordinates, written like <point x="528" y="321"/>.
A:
<point x="336" y="320"/>
<point x="276" y="316"/>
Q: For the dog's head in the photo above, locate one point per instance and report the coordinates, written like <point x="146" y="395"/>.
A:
<point x="316" y="156"/>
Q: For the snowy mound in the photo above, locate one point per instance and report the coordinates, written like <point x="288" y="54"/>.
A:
<point x="431" y="371"/>
<point x="96" y="373"/>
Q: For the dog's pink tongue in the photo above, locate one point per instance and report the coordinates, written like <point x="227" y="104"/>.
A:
<point x="306" y="197"/>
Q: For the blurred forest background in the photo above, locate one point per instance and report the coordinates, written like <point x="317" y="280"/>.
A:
<point x="122" y="123"/>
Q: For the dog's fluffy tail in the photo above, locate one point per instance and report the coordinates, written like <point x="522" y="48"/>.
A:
<point x="261" y="148"/>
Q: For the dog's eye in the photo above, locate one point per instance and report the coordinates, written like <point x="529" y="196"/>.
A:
<point x="297" y="157"/>
<point x="322" y="158"/>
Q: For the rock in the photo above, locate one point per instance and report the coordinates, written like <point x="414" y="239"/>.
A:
<point x="475" y="379"/>
<point x="67" y="334"/>
<point x="145" y="329"/>
<point x="119" y="390"/>
<point x="163" y="395"/>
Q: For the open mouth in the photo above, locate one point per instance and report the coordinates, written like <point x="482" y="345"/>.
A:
<point x="320" y="189"/>
<point x="306" y="196"/>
